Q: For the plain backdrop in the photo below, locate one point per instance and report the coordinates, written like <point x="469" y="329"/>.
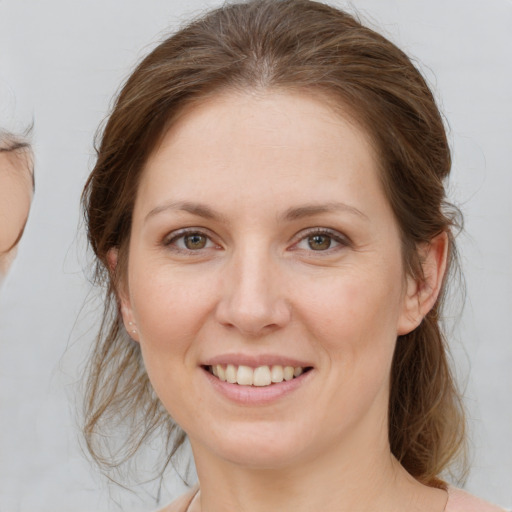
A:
<point x="61" y="62"/>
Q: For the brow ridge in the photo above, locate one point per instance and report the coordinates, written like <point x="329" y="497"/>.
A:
<point x="291" y="214"/>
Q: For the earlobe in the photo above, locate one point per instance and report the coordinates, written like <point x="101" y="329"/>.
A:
<point x="421" y="294"/>
<point x="112" y="255"/>
<point x="122" y="296"/>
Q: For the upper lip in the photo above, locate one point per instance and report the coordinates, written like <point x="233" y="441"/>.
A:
<point x="254" y="361"/>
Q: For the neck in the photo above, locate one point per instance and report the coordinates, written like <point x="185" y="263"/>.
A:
<point x="354" y="480"/>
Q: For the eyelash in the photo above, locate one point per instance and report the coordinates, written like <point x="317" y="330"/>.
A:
<point x="171" y="241"/>
<point x="334" y="236"/>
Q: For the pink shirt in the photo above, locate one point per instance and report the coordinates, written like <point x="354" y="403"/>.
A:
<point x="462" y="501"/>
<point x="458" y="501"/>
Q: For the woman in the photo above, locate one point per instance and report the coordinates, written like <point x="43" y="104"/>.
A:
<point x="269" y="218"/>
<point x="16" y="190"/>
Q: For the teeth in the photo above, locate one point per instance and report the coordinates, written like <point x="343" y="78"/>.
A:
<point x="244" y="376"/>
<point x="231" y="373"/>
<point x="288" y="372"/>
<point x="221" y="373"/>
<point x="260" y="376"/>
<point x="277" y="374"/>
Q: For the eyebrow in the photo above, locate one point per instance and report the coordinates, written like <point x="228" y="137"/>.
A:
<point x="311" y="210"/>
<point x="198" y="209"/>
<point x="296" y="213"/>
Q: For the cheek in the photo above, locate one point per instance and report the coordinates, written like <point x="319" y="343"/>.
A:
<point x="354" y="320"/>
<point x="14" y="209"/>
<point x="357" y="309"/>
<point x="169" y="313"/>
<point x="169" y="309"/>
<point x="355" y="329"/>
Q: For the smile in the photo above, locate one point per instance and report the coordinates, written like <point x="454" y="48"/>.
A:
<point x="260" y="376"/>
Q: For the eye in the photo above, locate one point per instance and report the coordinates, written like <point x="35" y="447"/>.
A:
<point x="321" y="240"/>
<point x="195" y="241"/>
<point x="189" y="241"/>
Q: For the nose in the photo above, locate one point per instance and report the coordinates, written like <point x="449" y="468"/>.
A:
<point x="253" y="294"/>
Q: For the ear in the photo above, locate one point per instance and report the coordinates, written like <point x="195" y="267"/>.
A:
<point x="123" y="297"/>
<point x="421" y="294"/>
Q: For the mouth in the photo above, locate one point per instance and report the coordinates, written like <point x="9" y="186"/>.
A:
<point x="261" y="376"/>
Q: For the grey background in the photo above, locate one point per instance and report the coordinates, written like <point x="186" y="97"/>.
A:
<point x="61" y="62"/>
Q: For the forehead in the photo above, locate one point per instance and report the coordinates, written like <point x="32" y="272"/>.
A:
<point x="232" y="137"/>
<point x="17" y="166"/>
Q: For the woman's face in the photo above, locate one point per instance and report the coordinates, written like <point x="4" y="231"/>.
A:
<point x="16" y="191"/>
<point x="262" y="240"/>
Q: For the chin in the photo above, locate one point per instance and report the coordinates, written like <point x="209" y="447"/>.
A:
<point x="261" y="457"/>
<point x="256" y="446"/>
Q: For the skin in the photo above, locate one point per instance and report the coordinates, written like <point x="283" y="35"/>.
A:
<point x="255" y="176"/>
<point x="16" y="191"/>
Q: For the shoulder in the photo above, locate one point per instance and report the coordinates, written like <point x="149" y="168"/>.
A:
<point x="181" y="504"/>
<point x="462" y="501"/>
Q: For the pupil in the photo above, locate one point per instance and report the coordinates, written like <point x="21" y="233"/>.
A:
<point x="195" y="241"/>
<point x="319" y="242"/>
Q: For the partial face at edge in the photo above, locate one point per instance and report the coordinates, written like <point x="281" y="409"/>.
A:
<point x="261" y="236"/>
<point x="16" y="191"/>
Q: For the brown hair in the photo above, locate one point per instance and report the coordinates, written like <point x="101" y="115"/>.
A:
<point x="290" y="44"/>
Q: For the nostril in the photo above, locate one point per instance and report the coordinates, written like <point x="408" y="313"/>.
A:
<point x="251" y="299"/>
<point x="253" y="321"/>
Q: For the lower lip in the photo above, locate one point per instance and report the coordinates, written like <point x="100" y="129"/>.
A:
<point x="257" y="395"/>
